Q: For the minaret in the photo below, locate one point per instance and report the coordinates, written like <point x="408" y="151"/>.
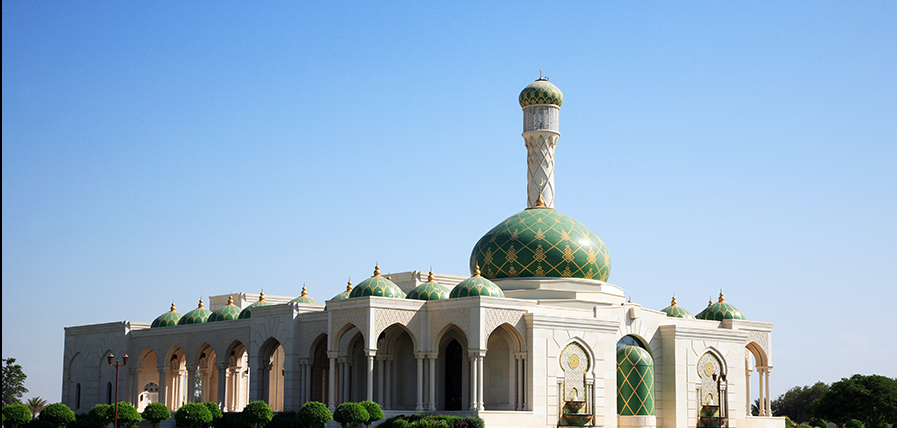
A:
<point x="541" y="102"/>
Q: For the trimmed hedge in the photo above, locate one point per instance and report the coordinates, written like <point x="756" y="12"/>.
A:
<point x="192" y="415"/>
<point x="426" y="420"/>
<point x="128" y="416"/>
<point x="57" y="415"/>
<point x="313" y="414"/>
<point x="15" y="415"/>
<point x="285" y="419"/>
<point x="350" y="415"/>
<point x="156" y="413"/>
<point x="375" y="413"/>
<point x="214" y="410"/>
<point x="256" y="414"/>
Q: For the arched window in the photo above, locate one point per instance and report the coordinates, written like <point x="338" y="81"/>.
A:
<point x="78" y="396"/>
<point x="108" y="392"/>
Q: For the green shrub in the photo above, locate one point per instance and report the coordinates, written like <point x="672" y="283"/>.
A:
<point x="100" y="415"/>
<point x="57" y="415"/>
<point x="313" y="414"/>
<point x="350" y="415"/>
<point x="817" y="422"/>
<point x="214" y="410"/>
<point x="375" y="413"/>
<point x="128" y="416"/>
<point x="401" y="423"/>
<point x="156" y="413"/>
<point x="475" y="422"/>
<point x="853" y="423"/>
<point x="192" y="415"/>
<point x="15" y="415"/>
<point x="788" y="422"/>
<point x="256" y="414"/>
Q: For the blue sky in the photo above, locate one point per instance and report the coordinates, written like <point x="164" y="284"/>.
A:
<point x="163" y="151"/>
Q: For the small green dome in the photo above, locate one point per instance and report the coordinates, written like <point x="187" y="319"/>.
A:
<point x="720" y="311"/>
<point x="476" y="286"/>
<point x="304" y="298"/>
<point x="226" y="313"/>
<point x="167" y="319"/>
<point x="430" y="290"/>
<point x="677" y="311"/>
<point x="196" y="316"/>
<point x="541" y="242"/>
<point x="377" y="286"/>
<point x="541" y="92"/>
<point x="344" y="294"/>
<point x="247" y="311"/>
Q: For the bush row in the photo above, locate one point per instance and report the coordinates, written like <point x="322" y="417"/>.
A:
<point x="426" y="420"/>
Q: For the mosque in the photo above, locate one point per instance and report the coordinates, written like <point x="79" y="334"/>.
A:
<point x="534" y="337"/>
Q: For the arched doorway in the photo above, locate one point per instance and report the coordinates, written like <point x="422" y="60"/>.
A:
<point x="453" y="368"/>
<point x="236" y="386"/>
<point x="207" y="376"/>
<point x="147" y="379"/>
<point x="320" y="373"/>
<point x="500" y="373"/>
<point x="176" y="381"/>
<point x="271" y="372"/>
<point x="400" y="370"/>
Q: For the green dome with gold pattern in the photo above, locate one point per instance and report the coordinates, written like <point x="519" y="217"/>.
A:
<point x="677" y="311"/>
<point x="167" y="319"/>
<point x="476" y="285"/>
<point x="720" y="311"/>
<point x="635" y="381"/>
<point x="541" y="92"/>
<point x="196" y="316"/>
<point x="344" y="294"/>
<point x="227" y="312"/>
<point x="305" y="298"/>
<point x="541" y="242"/>
<point x="247" y="311"/>
<point x="430" y="290"/>
<point x="377" y="286"/>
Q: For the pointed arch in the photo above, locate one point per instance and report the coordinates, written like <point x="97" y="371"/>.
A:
<point x="271" y="372"/>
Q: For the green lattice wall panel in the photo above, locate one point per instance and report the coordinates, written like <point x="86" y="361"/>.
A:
<point x="635" y="382"/>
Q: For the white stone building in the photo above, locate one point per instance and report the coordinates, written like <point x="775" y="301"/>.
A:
<point x="535" y="338"/>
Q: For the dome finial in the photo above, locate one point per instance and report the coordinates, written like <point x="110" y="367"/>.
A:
<point x="200" y="304"/>
<point x="721" y="299"/>
<point x="230" y="300"/>
<point x="303" y="291"/>
<point x="674" y="301"/>
<point x="349" y="285"/>
<point x="377" y="269"/>
<point x="477" y="273"/>
<point x="172" y="307"/>
<point x="262" y="296"/>
<point x="430" y="276"/>
<point x="709" y="301"/>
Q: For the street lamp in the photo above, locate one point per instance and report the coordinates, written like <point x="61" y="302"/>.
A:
<point x="719" y="394"/>
<point x="124" y="362"/>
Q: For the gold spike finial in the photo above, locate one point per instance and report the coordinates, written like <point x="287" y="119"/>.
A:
<point x="709" y="302"/>
<point x="262" y="296"/>
<point x="630" y="299"/>
<point x="200" y="304"/>
<point x="674" y="301"/>
<point x="349" y="285"/>
<point x="540" y="202"/>
<point x="721" y="299"/>
<point x="230" y="300"/>
<point x="304" y="293"/>
<point x="430" y="276"/>
<point x="477" y="273"/>
<point x="388" y="277"/>
<point x="172" y="307"/>
<point x="377" y="270"/>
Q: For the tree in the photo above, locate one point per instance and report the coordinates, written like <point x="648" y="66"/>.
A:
<point x="15" y="415"/>
<point x="313" y="414"/>
<point x="192" y="415"/>
<point x="871" y="399"/>
<point x="256" y="414"/>
<point x="797" y="403"/>
<point x="13" y="382"/>
<point x="350" y="415"/>
<point x="35" y="404"/>
<point x="57" y="415"/>
<point x="156" y="413"/>
<point x="101" y="415"/>
<point x="375" y="413"/>
<point x="128" y="416"/>
<point x="214" y="410"/>
<point x="755" y="407"/>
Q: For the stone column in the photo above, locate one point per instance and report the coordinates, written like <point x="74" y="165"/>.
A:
<point x="163" y="386"/>
<point x="431" y="406"/>
<point x="519" y="361"/>
<point x="331" y="375"/>
<point x="135" y="384"/>
<point x="473" y="383"/>
<point x="380" y="376"/>
<point x="762" y="398"/>
<point x="370" y="354"/>
<point x="389" y="381"/>
<point x="420" y="381"/>
<point x="222" y="385"/>
<point x="480" y="383"/>
<point x="747" y="382"/>
<point x="768" y="403"/>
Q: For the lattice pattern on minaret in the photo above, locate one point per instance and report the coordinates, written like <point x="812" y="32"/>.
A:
<point x="540" y="168"/>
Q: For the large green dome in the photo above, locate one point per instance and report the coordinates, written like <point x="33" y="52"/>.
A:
<point x="377" y="286"/>
<point x="247" y="311"/>
<point x="721" y="311"/>
<point x="167" y="319"/>
<point x="541" y="242"/>
<point x="196" y="316"/>
<point x="476" y="286"/>
<point x="227" y="312"/>
<point x="430" y="290"/>
<point x="541" y="92"/>
<point x="677" y="311"/>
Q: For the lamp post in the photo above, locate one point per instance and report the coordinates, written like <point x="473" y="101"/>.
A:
<point x="124" y="362"/>
<point x="719" y="394"/>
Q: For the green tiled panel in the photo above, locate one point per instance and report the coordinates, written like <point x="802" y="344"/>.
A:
<point x="541" y="92"/>
<point x="541" y="242"/>
<point x="377" y="286"/>
<point x="635" y="382"/>
<point x="476" y="286"/>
